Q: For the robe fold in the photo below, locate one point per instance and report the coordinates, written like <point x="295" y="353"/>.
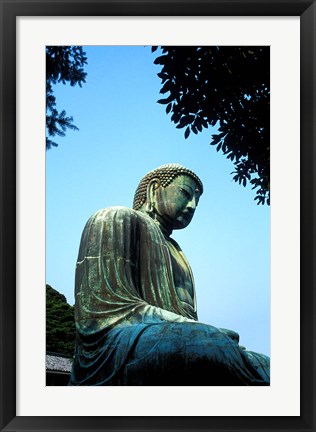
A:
<point x="135" y="313"/>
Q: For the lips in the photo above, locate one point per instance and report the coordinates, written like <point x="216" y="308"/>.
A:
<point x="187" y="215"/>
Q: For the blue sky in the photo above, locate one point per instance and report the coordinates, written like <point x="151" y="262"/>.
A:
<point x="123" y="134"/>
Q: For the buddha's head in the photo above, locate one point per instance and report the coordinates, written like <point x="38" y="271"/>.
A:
<point x="169" y="194"/>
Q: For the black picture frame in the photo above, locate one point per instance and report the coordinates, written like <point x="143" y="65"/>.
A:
<point x="12" y="9"/>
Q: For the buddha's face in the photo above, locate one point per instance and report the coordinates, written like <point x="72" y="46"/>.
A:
<point x="175" y="204"/>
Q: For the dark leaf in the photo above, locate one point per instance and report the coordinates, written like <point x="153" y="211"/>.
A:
<point x="166" y="87"/>
<point x="199" y="127"/>
<point x="204" y="122"/>
<point x="166" y="101"/>
<point x="168" y="108"/>
<point x="163" y="75"/>
<point x="175" y="117"/>
<point x="160" y="60"/>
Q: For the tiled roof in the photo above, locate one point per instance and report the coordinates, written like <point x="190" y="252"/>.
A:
<point x="58" y="363"/>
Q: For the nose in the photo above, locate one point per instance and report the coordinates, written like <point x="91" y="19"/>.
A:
<point x="192" y="204"/>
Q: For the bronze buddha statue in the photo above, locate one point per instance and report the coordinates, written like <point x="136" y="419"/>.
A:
<point x="135" y="301"/>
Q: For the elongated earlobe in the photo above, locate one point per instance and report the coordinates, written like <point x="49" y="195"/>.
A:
<point x="150" y="195"/>
<point x="149" y="208"/>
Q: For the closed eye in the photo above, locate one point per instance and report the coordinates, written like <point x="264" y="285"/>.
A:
<point x="186" y="193"/>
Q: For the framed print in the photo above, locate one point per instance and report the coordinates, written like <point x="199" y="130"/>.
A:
<point x="288" y="28"/>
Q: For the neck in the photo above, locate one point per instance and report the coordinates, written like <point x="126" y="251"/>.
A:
<point x="165" y="228"/>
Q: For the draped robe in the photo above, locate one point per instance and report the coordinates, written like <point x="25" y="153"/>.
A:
<point x="135" y="313"/>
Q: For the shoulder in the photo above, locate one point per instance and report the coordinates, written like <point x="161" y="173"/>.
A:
<point x="122" y="221"/>
<point x="119" y="213"/>
<point x="112" y="211"/>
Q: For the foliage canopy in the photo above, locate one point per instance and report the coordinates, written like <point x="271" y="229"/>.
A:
<point x="227" y="86"/>
<point x="63" y="64"/>
<point x="60" y="324"/>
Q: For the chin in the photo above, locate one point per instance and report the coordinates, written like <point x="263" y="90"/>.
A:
<point x="181" y="225"/>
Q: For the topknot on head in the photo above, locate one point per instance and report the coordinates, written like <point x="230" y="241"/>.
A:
<point x="166" y="174"/>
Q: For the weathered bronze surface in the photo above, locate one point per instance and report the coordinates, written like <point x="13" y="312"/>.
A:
<point x="135" y="306"/>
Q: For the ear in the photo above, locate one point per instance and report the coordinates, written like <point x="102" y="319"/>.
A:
<point x="151" y="190"/>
